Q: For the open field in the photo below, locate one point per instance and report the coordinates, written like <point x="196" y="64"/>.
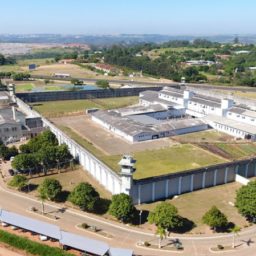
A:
<point x="203" y="136"/>
<point x="67" y="107"/>
<point x="193" y="205"/>
<point x="157" y="52"/>
<point x="238" y="150"/>
<point x="154" y="162"/>
<point x="105" y="141"/>
<point x="27" y="86"/>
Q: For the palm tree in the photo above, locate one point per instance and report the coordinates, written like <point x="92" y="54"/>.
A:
<point x="235" y="231"/>
<point x="43" y="197"/>
<point x="162" y="234"/>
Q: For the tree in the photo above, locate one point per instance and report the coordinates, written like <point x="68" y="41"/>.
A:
<point x="76" y="81"/>
<point x="215" y="218"/>
<point x="103" y="84"/>
<point x="25" y="162"/>
<point x="122" y="207"/>
<point x="62" y="155"/>
<point x="6" y="153"/>
<point x="162" y="234"/>
<point x="246" y="200"/>
<point x="165" y="215"/>
<point x="50" y="189"/>
<point x="235" y="231"/>
<point x="47" y="156"/>
<point x="84" y="196"/>
<point x="18" y="181"/>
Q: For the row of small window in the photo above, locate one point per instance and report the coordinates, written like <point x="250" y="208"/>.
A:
<point x="230" y="129"/>
<point x="202" y="106"/>
<point x="243" y="117"/>
<point x="13" y="129"/>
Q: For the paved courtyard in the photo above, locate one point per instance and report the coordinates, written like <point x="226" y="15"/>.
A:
<point x="109" y="143"/>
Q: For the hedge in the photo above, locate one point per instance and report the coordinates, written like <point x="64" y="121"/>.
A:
<point x="29" y="246"/>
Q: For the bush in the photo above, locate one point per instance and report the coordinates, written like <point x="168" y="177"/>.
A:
<point x="220" y="247"/>
<point x="85" y="225"/>
<point x="18" y="181"/>
<point x="147" y="244"/>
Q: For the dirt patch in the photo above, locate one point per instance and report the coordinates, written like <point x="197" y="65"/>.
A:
<point x="107" y="142"/>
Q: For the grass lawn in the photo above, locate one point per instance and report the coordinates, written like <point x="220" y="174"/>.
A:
<point x="25" y="87"/>
<point x="154" y="162"/>
<point x="70" y="179"/>
<point x="61" y="108"/>
<point x="203" y="136"/>
<point x="238" y="150"/>
<point x="10" y="68"/>
<point x="193" y="205"/>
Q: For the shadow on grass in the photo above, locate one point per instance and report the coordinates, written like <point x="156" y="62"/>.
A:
<point x="62" y="196"/>
<point x="140" y="217"/>
<point x="30" y="187"/>
<point x="187" y="225"/>
<point x="102" y="206"/>
<point x="226" y="229"/>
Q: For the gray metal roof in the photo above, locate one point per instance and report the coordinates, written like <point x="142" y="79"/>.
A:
<point x="120" y="252"/>
<point x="251" y="129"/>
<point x="243" y="111"/>
<point x="30" y="224"/>
<point x="84" y="244"/>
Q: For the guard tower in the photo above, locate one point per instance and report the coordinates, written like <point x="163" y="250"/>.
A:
<point x="127" y="169"/>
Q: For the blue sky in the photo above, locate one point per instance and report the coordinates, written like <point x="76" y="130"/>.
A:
<point x="172" y="17"/>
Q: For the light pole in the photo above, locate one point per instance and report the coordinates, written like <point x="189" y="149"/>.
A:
<point x="140" y="216"/>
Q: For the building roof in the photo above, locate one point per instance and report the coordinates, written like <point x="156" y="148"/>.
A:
<point x="251" y="129"/>
<point x="134" y="125"/>
<point x="135" y="110"/>
<point x="243" y="111"/>
<point x="84" y="244"/>
<point x="30" y="224"/>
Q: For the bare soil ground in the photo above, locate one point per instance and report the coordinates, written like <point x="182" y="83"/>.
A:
<point x="106" y="141"/>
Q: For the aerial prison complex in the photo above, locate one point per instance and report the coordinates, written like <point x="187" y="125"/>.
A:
<point x="172" y="112"/>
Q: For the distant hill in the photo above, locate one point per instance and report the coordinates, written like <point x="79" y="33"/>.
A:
<point x="107" y="40"/>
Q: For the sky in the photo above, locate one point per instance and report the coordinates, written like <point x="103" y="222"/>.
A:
<point x="92" y="17"/>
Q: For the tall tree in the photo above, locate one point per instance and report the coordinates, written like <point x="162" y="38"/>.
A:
<point x="50" y="189"/>
<point x="165" y="216"/>
<point x="122" y="207"/>
<point x="84" y="196"/>
<point x="246" y="200"/>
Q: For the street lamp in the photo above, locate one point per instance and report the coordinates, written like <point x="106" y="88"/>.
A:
<point x="140" y="216"/>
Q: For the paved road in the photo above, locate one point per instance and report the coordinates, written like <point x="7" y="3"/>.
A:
<point x="161" y="84"/>
<point x="124" y="236"/>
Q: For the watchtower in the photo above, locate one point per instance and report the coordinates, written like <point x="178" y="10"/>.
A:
<point x="127" y="169"/>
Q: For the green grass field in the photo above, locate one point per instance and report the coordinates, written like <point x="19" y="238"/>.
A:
<point x="237" y="151"/>
<point x="27" y="87"/>
<point x="61" y="108"/>
<point x="203" y="136"/>
<point x="154" y="162"/>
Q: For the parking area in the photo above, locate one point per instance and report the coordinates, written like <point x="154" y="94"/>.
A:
<point x="107" y="142"/>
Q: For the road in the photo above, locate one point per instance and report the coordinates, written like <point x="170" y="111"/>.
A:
<point x="124" y="236"/>
<point x="161" y="84"/>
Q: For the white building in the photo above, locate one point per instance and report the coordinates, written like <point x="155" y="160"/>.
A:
<point x="172" y="112"/>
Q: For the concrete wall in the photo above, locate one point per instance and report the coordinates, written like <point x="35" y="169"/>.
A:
<point x="167" y="186"/>
<point x="75" y="95"/>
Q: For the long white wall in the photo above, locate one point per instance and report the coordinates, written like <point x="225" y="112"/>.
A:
<point x="102" y="173"/>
